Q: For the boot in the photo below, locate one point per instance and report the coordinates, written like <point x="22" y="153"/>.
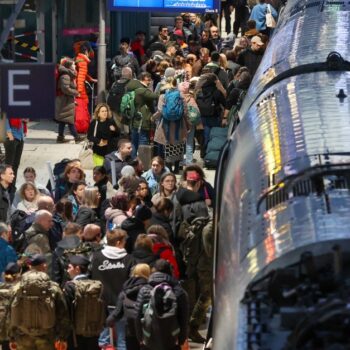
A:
<point x="195" y="336"/>
<point x="79" y="139"/>
<point x="61" y="139"/>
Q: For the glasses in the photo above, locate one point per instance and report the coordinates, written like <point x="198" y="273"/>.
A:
<point x="143" y="188"/>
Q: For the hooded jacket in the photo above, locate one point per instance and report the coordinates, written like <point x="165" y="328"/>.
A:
<point x="144" y="297"/>
<point x="119" y="164"/>
<point x="130" y="291"/>
<point x="112" y="267"/>
<point x="117" y="216"/>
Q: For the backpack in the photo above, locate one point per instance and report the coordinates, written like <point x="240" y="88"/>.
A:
<point x="206" y="103"/>
<point x="89" y="309"/>
<point x="115" y="95"/>
<point x="127" y="105"/>
<point x="160" y="326"/>
<point x="173" y="109"/>
<point x="84" y="249"/>
<point x="196" y="241"/>
<point x="33" y="309"/>
<point x="6" y="293"/>
<point x="20" y="222"/>
<point x="119" y="63"/>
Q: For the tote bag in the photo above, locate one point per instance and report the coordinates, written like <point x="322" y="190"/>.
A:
<point x="270" y="21"/>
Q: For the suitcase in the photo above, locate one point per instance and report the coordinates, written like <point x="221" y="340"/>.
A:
<point x="145" y="153"/>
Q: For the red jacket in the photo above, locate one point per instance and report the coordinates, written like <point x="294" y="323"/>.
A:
<point x="165" y="251"/>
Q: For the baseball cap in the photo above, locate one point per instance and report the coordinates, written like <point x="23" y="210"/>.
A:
<point x="257" y="40"/>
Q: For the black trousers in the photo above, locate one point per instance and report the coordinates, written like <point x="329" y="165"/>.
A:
<point x="83" y="343"/>
<point x="241" y="18"/>
<point x="227" y="13"/>
<point x="13" y="154"/>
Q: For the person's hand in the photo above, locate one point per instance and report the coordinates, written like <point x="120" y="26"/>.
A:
<point x="103" y="143"/>
<point x="224" y="122"/>
<point x="230" y="8"/>
<point x="94" y="81"/>
<point x="10" y="136"/>
<point x="112" y="128"/>
<point x="13" y="345"/>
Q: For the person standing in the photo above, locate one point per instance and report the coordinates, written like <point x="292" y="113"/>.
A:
<point x="112" y="266"/>
<point x="258" y="14"/>
<point x="6" y="179"/>
<point x="82" y="115"/>
<point x="65" y="99"/>
<point x="82" y="292"/>
<point x="38" y="313"/>
<point x="7" y="253"/>
<point x="16" y="130"/>
<point x="144" y="99"/>
<point x="102" y="133"/>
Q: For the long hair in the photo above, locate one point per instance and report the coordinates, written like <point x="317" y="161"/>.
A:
<point x="97" y="111"/>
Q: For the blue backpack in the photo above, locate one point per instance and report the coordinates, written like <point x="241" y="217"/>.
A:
<point x="173" y="109"/>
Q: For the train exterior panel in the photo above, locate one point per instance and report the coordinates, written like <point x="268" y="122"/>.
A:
<point x="284" y="184"/>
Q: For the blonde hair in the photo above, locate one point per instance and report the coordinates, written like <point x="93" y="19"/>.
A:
<point x="97" y="111"/>
<point x="91" y="197"/>
<point x="141" y="270"/>
<point x="223" y="61"/>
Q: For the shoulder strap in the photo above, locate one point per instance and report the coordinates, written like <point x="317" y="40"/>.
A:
<point x="95" y="130"/>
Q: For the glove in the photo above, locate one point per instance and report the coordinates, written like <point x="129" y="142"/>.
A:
<point x="60" y="345"/>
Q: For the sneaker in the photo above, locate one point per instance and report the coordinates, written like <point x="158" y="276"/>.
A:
<point x="195" y="336"/>
<point x="61" y="139"/>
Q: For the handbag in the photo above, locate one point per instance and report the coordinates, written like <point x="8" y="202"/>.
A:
<point x="270" y="21"/>
<point x="85" y="154"/>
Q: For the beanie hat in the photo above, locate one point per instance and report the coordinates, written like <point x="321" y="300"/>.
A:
<point x="169" y="72"/>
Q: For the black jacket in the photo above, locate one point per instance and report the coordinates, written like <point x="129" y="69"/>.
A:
<point x="250" y="59"/>
<point x="69" y="242"/>
<point x="123" y="308"/>
<point x="119" y="164"/>
<point x="104" y="132"/>
<point x="112" y="267"/>
<point x="144" y="297"/>
<point x="133" y="226"/>
<point x="192" y="204"/>
<point x="4" y="205"/>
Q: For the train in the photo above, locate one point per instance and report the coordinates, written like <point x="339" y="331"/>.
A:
<point x="282" y="222"/>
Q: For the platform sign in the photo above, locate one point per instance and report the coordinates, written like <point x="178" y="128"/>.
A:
<point x="28" y="90"/>
<point x="202" y="6"/>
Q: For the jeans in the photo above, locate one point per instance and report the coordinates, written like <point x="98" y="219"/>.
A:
<point x="104" y="338"/>
<point x="208" y="123"/>
<point x="189" y="145"/>
<point x="138" y="138"/>
<point x="71" y="128"/>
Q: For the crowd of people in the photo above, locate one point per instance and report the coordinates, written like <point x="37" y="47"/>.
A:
<point x="129" y="258"/>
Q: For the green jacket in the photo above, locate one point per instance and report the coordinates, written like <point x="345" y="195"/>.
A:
<point x="144" y="99"/>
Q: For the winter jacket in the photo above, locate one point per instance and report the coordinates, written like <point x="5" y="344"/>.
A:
<point x="250" y="59"/>
<point x="166" y="252"/>
<point x="144" y="99"/>
<point x="104" y="132"/>
<point x="119" y="164"/>
<point x="258" y="14"/>
<point x="112" y="267"/>
<point x="123" y="308"/>
<point x="7" y="255"/>
<point x="144" y="297"/>
<point x="133" y="226"/>
<point x="219" y="72"/>
<point x="82" y="63"/>
<point x="192" y="204"/>
<point x="67" y="91"/>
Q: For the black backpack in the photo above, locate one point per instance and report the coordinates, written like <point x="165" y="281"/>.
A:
<point x="115" y="95"/>
<point x="20" y="222"/>
<point x="206" y="102"/>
